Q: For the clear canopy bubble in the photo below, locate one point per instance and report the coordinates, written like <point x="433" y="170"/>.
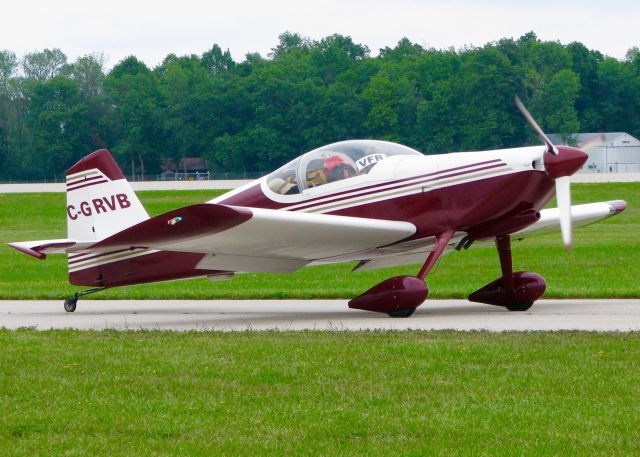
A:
<point x="332" y="163"/>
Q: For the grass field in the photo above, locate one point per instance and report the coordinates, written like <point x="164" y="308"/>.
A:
<point x="311" y="393"/>
<point x="604" y="262"/>
<point x="324" y="393"/>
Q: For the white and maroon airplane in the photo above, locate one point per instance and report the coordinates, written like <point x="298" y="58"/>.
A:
<point x="374" y="202"/>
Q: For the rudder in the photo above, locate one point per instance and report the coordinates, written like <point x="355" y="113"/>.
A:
<point x="100" y="201"/>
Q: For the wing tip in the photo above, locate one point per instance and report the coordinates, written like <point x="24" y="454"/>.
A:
<point x="617" y="206"/>
<point x="26" y="250"/>
<point x="38" y="249"/>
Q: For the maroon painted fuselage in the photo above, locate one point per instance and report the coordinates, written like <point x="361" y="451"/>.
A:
<point x="485" y="194"/>
<point x="483" y="202"/>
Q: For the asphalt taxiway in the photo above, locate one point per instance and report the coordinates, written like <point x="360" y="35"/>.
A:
<point x="242" y="315"/>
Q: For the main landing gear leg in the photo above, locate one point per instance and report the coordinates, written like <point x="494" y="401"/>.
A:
<point x="70" y="303"/>
<point x="514" y="291"/>
<point x="442" y="241"/>
<point x="401" y="295"/>
<point x="503" y="244"/>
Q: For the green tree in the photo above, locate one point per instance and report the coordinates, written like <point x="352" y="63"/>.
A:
<point x="43" y="65"/>
<point x="334" y="55"/>
<point x="392" y="102"/>
<point x="403" y="50"/>
<point x="338" y="116"/>
<point x="288" y="43"/>
<point x="88" y="73"/>
<point x="258" y="113"/>
<point x="438" y="122"/>
<point x="8" y="67"/>
<point x="59" y="128"/>
<point x="585" y="65"/>
<point x="184" y="87"/>
<point x="555" y="104"/>
<point x="136" y="119"/>
<point x="615" y="79"/>
<point x="486" y="85"/>
<point x="217" y="61"/>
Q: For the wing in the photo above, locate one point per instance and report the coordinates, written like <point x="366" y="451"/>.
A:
<point x="417" y="250"/>
<point x="262" y="240"/>
<point x="581" y="215"/>
<point x="243" y="239"/>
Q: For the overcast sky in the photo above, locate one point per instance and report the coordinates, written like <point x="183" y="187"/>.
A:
<point x="151" y="30"/>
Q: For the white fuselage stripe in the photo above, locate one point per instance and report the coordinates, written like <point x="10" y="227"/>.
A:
<point x="413" y="187"/>
<point x="88" y="175"/>
<point x="406" y="182"/>
<point x="82" y="174"/>
<point x="115" y="257"/>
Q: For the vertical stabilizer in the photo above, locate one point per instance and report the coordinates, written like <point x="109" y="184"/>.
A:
<point x="100" y="201"/>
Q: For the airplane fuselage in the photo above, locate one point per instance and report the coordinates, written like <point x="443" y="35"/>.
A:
<point x="462" y="190"/>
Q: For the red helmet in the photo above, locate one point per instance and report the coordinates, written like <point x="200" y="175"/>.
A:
<point x="331" y="162"/>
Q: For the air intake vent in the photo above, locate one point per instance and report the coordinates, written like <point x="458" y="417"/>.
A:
<point x="538" y="165"/>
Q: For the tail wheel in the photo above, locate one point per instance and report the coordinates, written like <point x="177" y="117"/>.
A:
<point x="70" y="304"/>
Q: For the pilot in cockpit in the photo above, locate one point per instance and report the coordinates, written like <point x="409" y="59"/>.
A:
<point x="337" y="168"/>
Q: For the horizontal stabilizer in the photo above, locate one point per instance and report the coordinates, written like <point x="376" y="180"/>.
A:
<point x="40" y="248"/>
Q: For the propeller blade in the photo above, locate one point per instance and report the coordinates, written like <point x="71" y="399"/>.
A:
<point x="592" y="142"/>
<point x="563" y="196"/>
<point x="536" y="127"/>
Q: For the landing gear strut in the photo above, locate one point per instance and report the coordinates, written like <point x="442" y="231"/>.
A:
<point x="71" y="302"/>
<point x="514" y="291"/>
<point x="401" y="295"/>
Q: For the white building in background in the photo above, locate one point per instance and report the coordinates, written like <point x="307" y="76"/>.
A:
<point x="613" y="152"/>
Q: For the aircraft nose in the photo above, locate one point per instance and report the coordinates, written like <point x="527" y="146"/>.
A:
<point x="565" y="163"/>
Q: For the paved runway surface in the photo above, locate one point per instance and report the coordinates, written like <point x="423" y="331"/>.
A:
<point x="601" y="315"/>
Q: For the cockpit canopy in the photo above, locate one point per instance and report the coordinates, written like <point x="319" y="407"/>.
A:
<point x="332" y="163"/>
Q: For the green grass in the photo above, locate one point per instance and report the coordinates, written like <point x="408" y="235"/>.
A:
<point x="604" y="262"/>
<point x="418" y="393"/>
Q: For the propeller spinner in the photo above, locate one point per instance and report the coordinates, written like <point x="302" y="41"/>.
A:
<point x="560" y="162"/>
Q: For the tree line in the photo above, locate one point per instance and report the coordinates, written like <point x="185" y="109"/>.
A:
<point x="258" y="113"/>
